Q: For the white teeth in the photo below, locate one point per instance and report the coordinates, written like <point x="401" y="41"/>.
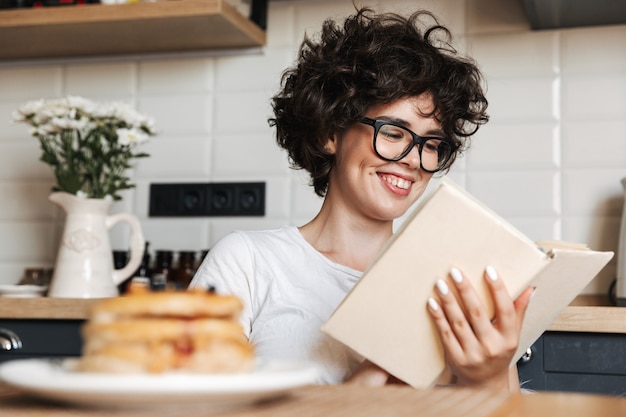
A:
<point x="397" y="182"/>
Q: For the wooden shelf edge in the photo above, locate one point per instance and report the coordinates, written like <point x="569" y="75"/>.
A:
<point x="126" y="29"/>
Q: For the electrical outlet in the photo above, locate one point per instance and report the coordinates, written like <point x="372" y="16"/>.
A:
<point x="207" y="199"/>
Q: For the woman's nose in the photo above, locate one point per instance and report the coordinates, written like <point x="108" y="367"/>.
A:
<point x="412" y="159"/>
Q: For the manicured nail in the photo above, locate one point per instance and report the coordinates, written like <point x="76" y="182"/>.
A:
<point x="491" y="273"/>
<point x="442" y="287"/>
<point x="434" y="306"/>
<point x="456" y="275"/>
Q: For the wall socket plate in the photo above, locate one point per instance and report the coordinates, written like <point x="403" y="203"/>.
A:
<point x="207" y="199"/>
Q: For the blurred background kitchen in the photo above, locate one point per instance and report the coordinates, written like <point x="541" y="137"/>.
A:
<point x="550" y="161"/>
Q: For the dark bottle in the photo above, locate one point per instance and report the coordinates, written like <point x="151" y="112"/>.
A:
<point x="120" y="259"/>
<point x="161" y="275"/>
<point x="186" y="269"/>
<point x="203" y="255"/>
<point x="143" y="271"/>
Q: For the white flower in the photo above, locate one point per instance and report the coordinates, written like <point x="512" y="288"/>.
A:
<point x="79" y="103"/>
<point x="29" y="108"/>
<point x="61" y="123"/>
<point x="81" y="194"/>
<point x="131" y="136"/>
<point x="147" y="123"/>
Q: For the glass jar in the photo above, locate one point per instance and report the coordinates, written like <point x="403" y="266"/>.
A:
<point x="161" y="273"/>
<point x="35" y="276"/>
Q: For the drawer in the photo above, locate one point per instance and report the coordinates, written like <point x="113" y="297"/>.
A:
<point x="41" y="338"/>
<point x="589" y="383"/>
<point x="585" y="353"/>
<point x="576" y="362"/>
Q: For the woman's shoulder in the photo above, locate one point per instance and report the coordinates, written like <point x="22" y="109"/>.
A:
<point x="285" y="234"/>
<point x="238" y="253"/>
<point x="255" y="240"/>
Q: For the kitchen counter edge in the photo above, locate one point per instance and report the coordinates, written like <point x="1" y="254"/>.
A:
<point x="46" y="308"/>
<point x="587" y="313"/>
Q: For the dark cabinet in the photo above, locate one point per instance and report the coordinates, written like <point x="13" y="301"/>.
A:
<point x="43" y="338"/>
<point x="576" y="362"/>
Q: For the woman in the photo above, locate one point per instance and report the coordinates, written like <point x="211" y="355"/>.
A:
<point x="372" y="110"/>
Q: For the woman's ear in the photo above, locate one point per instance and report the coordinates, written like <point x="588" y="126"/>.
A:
<point x="331" y="145"/>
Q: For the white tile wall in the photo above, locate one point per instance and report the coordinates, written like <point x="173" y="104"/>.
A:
<point x="550" y="160"/>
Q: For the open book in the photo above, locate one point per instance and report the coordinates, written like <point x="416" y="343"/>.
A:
<point x="385" y="319"/>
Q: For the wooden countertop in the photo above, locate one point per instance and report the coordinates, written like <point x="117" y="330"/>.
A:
<point x="45" y="308"/>
<point x="591" y="313"/>
<point x="353" y="400"/>
<point x="587" y="313"/>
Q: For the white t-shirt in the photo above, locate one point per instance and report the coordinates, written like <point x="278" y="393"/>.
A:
<point x="289" y="290"/>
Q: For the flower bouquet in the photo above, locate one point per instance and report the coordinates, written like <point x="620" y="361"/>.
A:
<point x="89" y="146"/>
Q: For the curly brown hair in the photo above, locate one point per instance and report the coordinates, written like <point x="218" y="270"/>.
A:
<point x="372" y="59"/>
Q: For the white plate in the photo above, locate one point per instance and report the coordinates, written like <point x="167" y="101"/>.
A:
<point x="22" y="291"/>
<point x="55" y="379"/>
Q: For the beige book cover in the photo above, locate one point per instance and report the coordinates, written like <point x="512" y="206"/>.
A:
<point x="385" y="319"/>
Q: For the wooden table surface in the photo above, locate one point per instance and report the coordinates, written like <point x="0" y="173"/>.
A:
<point x="587" y="313"/>
<point x="351" y="400"/>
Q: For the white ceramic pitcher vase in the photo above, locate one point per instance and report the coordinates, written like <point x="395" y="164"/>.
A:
<point x="84" y="264"/>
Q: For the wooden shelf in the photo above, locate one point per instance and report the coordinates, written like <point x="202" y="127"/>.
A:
<point x="135" y="28"/>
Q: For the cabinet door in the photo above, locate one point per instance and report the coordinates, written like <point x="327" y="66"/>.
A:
<point x="577" y="362"/>
<point x="44" y="338"/>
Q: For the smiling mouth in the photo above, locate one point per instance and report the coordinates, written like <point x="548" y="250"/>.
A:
<point x="397" y="182"/>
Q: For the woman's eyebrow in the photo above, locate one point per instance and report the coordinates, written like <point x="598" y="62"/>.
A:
<point x="435" y="132"/>
<point x="395" y="120"/>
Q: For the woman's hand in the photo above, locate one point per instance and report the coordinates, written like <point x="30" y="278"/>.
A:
<point x="369" y="375"/>
<point x="478" y="349"/>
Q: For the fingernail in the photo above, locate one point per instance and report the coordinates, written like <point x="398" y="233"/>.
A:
<point x="456" y="275"/>
<point x="491" y="273"/>
<point x="434" y="306"/>
<point x="442" y="287"/>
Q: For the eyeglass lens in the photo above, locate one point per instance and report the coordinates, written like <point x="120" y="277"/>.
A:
<point x="395" y="142"/>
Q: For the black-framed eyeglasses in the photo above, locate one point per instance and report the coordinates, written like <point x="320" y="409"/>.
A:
<point x="393" y="142"/>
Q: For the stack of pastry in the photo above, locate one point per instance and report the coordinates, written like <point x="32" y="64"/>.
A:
<point x="152" y="332"/>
